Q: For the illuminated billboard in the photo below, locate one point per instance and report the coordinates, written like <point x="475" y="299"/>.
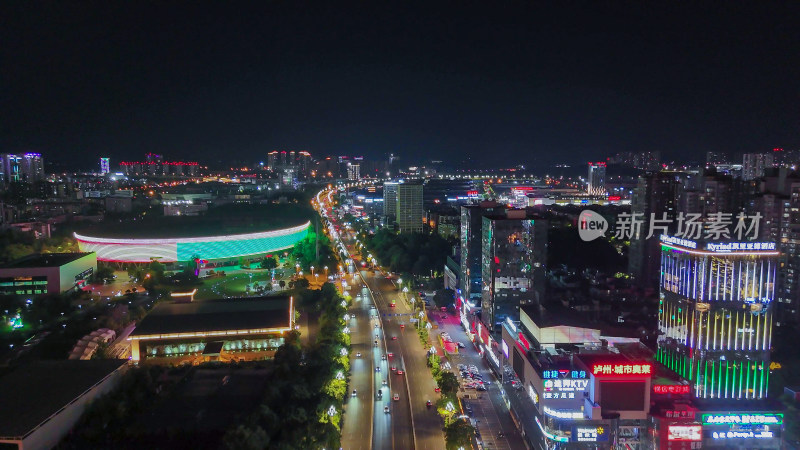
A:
<point x="590" y="434"/>
<point x="743" y="419"/>
<point x="685" y="433"/>
<point x="622" y="370"/>
<point x="184" y="249"/>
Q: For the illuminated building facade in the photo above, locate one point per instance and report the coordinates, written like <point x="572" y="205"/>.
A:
<point x="715" y="315"/>
<point x="597" y="179"/>
<point x="24" y="168"/>
<point x="105" y="166"/>
<point x="513" y="258"/>
<point x="409" y="208"/>
<point x="184" y="249"/>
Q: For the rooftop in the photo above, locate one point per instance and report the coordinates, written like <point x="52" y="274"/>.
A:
<point x="34" y="392"/>
<point x="216" y="315"/>
<point x="44" y="260"/>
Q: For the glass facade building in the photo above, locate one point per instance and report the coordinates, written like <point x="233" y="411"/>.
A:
<point x="715" y="315"/>
<point x="513" y="258"/>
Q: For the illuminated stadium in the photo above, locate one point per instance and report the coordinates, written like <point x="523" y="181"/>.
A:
<point x="178" y="249"/>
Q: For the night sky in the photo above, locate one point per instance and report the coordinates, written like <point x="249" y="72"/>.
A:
<point x="500" y="83"/>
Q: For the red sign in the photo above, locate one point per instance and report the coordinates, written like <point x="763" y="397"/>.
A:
<point x="671" y="389"/>
<point x="679" y="414"/>
<point x="614" y="198"/>
<point x="622" y="370"/>
<point x="524" y="342"/>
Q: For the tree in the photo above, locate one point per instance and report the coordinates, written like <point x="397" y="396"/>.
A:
<point x="246" y="437"/>
<point x="269" y="263"/>
<point x="104" y="272"/>
<point x="444" y="297"/>
<point x="301" y="283"/>
<point x="458" y="434"/>
<point x="448" y="383"/>
<point x="282" y="284"/>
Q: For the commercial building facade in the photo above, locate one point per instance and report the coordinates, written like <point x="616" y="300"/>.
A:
<point x="513" y="259"/>
<point x="47" y="273"/>
<point x="409" y="212"/>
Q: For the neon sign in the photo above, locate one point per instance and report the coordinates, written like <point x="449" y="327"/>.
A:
<point x="511" y="324"/>
<point x="565" y="389"/>
<point x="734" y="246"/>
<point x="671" y="389"/>
<point x="534" y="396"/>
<point x="622" y="370"/>
<point x="550" y="436"/>
<point x="552" y="374"/>
<point x="743" y="419"/>
<point x="505" y="349"/>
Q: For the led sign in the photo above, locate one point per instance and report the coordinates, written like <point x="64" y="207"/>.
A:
<point x="678" y="241"/>
<point x="564" y="389"/>
<point x="505" y="348"/>
<point x="743" y="434"/>
<point x="534" y="396"/>
<point x="552" y="374"/>
<point x="622" y="370"/>
<point x="550" y="436"/>
<point x="589" y="434"/>
<point x="511" y="324"/>
<point x="685" y="433"/>
<point x="743" y="419"/>
<point x="738" y="246"/>
<point x="671" y="389"/>
<point x="562" y="414"/>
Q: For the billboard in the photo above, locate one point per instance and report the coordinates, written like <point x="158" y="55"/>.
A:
<point x="685" y="433"/>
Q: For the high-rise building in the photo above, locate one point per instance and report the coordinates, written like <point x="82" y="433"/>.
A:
<point x="754" y="164"/>
<point x="715" y="315"/>
<point x="655" y="197"/>
<point x="353" y="171"/>
<point x="304" y="162"/>
<point x="513" y="260"/>
<point x="714" y="159"/>
<point x="409" y="207"/>
<point x="390" y="201"/>
<point x="597" y="179"/>
<point x="272" y="160"/>
<point x="284" y="158"/>
<point x="471" y="247"/>
<point x="105" y="166"/>
<point x="25" y="168"/>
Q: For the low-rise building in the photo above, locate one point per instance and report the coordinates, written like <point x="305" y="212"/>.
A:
<point x="42" y="401"/>
<point x="47" y="273"/>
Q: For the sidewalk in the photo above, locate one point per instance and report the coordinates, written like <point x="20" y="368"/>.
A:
<point x="490" y="414"/>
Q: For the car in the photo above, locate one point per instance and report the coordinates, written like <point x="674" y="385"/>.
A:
<point x="383" y="357"/>
<point x="384" y="383"/>
<point x="376" y="325"/>
<point x="394" y="338"/>
<point x="461" y="345"/>
<point x="386" y="409"/>
<point x="376" y="342"/>
<point x="392" y="305"/>
<point x="437" y="389"/>
<point x="402" y="325"/>
<point x="399" y="372"/>
<point x="378" y="369"/>
<point x="481" y="387"/>
<point x="354" y="392"/>
<point x="358" y="355"/>
<point x="428" y="403"/>
<point x="396" y="397"/>
<point x="394" y="368"/>
<point x="391" y="355"/>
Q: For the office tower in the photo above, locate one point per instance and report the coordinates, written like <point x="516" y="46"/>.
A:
<point x="105" y="166"/>
<point x="304" y="162"/>
<point x="655" y="195"/>
<point x="272" y="160"/>
<point x="513" y="258"/>
<point x="714" y="159"/>
<point x="754" y="164"/>
<point x="715" y="315"/>
<point x="354" y="172"/>
<point x="409" y="207"/>
<point x="648" y="160"/>
<point x="597" y="179"/>
<point x="390" y="201"/>
<point x="284" y="157"/>
<point x="12" y="168"/>
<point x="471" y="245"/>
<point x="153" y="158"/>
<point x="292" y="158"/>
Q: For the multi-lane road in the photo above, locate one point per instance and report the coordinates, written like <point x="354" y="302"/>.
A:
<point x="393" y="361"/>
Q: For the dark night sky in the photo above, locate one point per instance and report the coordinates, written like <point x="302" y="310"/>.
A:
<point x="514" y="82"/>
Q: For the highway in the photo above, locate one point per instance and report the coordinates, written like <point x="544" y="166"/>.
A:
<point x="359" y="409"/>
